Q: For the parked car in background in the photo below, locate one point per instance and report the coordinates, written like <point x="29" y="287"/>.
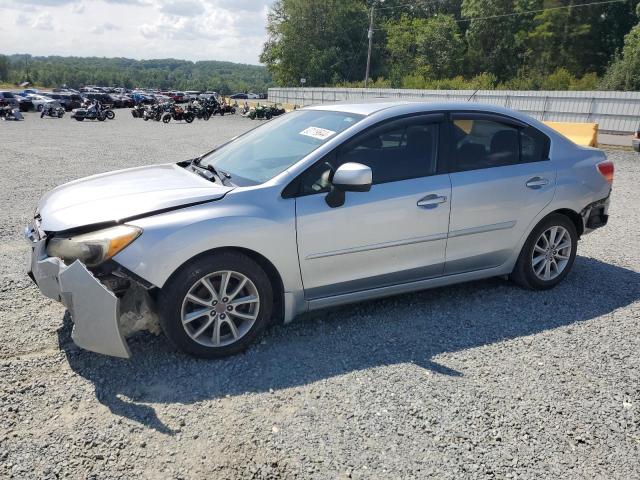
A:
<point x="25" y="103"/>
<point x="320" y="207"/>
<point x="9" y="99"/>
<point x="39" y="101"/>
<point x="239" y="96"/>
<point x="179" y="97"/>
<point x="67" y="100"/>
<point x="103" y="98"/>
<point x="142" y="98"/>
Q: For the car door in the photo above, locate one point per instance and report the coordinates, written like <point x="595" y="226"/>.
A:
<point x="501" y="179"/>
<point x="394" y="233"/>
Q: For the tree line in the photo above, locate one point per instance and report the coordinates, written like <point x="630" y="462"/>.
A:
<point x="75" y="72"/>
<point x="457" y="44"/>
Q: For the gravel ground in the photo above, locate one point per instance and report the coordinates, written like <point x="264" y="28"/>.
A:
<point x="481" y="380"/>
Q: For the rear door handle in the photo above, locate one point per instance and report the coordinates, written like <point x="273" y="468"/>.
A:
<point x="431" y="201"/>
<point x="537" y="182"/>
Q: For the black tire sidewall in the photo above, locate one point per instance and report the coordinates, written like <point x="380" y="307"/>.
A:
<point x="174" y="291"/>
<point x="527" y="251"/>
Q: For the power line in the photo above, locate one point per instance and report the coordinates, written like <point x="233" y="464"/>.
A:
<point x="515" y="14"/>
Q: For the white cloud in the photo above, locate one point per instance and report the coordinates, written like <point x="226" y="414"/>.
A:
<point x="232" y="30"/>
<point x="44" y="21"/>
<point x="105" y="27"/>
<point x="183" y="8"/>
<point x="22" y="20"/>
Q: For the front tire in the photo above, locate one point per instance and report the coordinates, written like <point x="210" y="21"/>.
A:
<point x="217" y="305"/>
<point x="548" y="254"/>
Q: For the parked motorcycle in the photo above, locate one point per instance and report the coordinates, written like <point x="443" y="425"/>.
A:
<point x="155" y="112"/>
<point x="199" y="110"/>
<point x="81" y="114"/>
<point x="178" y="113"/>
<point x="260" y="112"/>
<point x="10" y="113"/>
<point x="226" y="108"/>
<point x="50" y="110"/>
<point x="138" y="111"/>
<point x="277" y="111"/>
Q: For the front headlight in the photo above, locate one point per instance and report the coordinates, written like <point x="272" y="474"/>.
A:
<point x="93" y="248"/>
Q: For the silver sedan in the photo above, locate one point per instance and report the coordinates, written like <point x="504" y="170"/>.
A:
<point x="320" y="207"/>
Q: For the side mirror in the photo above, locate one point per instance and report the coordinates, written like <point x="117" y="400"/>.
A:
<point x="350" y="177"/>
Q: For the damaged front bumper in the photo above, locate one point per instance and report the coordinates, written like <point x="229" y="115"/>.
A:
<point x="94" y="309"/>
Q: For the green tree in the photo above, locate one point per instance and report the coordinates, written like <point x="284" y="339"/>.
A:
<point x="225" y="77"/>
<point x="497" y="44"/>
<point x="580" y="40"/>
<point x="321" y="41"/>
<point x="432" y="48"/>
<point x="624" y="72"/>
<point x="4" y="68"/>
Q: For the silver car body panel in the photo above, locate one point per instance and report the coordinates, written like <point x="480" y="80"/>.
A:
<point x="113" y="196"/>
<point x="378" y="243"/>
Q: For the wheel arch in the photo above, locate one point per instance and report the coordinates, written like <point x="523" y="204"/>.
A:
<point x="264" y="263"/>
<point x="575" y="218"/>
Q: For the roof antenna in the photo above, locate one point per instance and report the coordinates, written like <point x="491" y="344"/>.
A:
<point x="472" y="95"/>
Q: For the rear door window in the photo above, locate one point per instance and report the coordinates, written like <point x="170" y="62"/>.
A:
<point x="480" y="143"/>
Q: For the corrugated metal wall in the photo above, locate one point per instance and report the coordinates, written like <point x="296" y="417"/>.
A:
<point x="617" y="112"/>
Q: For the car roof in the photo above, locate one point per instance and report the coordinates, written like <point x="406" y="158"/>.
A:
<point x="371" y="107"/>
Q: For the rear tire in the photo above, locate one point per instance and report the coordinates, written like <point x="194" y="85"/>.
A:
<point x="110" y="114"/>
<point x="191" y="326"/>
<point x="189" y="117"/>
<point x="553" y="242"/>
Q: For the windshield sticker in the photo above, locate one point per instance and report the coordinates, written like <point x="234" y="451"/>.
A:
<point x="317" y="133"/>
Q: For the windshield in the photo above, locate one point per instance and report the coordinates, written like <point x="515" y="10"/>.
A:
<point x="263" y="153"/>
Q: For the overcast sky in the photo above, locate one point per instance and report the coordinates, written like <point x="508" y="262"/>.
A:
<point x="231" y="30"/>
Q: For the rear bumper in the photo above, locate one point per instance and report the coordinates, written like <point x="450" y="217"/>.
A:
<point x="94" y="309"/>
<point x="595" y="215"/>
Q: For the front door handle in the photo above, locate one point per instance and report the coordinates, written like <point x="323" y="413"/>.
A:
<point x="431" y="201"/>
<point x="537" y="182"/>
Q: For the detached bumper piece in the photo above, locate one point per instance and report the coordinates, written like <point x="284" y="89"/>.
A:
<point x="94" y="309"/>
<point x="595" y="215"/>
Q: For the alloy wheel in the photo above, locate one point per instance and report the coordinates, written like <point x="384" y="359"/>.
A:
<point x="220" y="308"/>
<point x="551" y="253"/>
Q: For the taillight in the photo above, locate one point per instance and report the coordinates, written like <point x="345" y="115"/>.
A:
<point x="606" y="170"/>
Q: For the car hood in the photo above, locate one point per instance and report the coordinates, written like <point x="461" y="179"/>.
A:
<point x="122" y="194"/>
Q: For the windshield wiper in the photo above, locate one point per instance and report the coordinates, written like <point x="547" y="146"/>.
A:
<point x="211" y="168"/>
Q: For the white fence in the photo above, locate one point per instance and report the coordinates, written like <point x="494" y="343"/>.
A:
<point x="616" y="112"/>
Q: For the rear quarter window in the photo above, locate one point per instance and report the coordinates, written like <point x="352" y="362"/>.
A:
<point x="534" y="145"/>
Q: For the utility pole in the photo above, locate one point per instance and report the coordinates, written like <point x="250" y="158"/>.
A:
<point x="370" y="34"/>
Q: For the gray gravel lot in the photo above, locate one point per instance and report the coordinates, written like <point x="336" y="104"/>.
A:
<point x="482" y="380"/>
